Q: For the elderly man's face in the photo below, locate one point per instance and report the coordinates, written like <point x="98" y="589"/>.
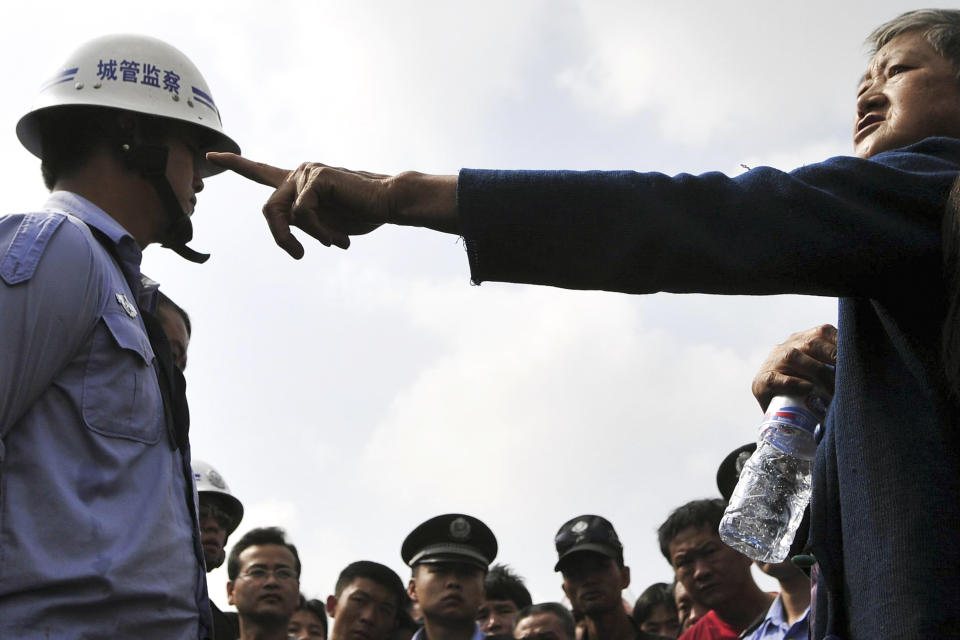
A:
<point x="908" y="93"/>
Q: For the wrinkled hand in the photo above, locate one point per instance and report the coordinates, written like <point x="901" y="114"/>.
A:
<point x="803" y="363"/>
<point x="328" y="203"/>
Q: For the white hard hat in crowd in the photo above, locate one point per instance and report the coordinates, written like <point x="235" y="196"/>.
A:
<point x="210" y="482"/>
<point x="134" y="73"/>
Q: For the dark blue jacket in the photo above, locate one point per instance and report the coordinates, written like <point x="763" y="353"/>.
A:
<point x="886" y="501"/>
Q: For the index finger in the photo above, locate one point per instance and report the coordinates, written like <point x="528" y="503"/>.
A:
<point x="256" y="171"/>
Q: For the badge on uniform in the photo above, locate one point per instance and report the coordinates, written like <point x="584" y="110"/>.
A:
<point x="129" y="308"/>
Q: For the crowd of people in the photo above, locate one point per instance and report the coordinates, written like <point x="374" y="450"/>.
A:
<point x="107" y="527"/>
<point x="463" y="596"/>
<point x="456" y="593"/>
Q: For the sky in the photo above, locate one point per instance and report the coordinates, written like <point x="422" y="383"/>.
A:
<point x="351" y="395"/>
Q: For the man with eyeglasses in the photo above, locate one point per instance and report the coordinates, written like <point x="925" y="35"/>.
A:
<point x="264" y="585"/>
<point x="219" y="515"/>
<point x="449" y="556"/>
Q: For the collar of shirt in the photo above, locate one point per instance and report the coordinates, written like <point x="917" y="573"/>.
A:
<point x="125" y="247"/>
<point x="779" y="615"/>
<point x="777" y="619"/>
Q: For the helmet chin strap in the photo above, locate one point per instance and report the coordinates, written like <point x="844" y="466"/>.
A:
<point x="151" y="161"/>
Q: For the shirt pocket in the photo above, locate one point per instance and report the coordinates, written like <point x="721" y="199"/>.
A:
<point x="121" y="395"/>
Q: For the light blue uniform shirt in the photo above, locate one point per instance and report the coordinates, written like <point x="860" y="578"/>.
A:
<point x="97" y="537"/>
<point x="776" y="627"/>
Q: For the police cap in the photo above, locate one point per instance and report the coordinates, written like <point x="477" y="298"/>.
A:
<point x="452" y="537"/>
<point x="587" y="533"/>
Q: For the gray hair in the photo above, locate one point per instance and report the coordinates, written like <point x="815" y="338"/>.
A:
<point x="940" y="28"/>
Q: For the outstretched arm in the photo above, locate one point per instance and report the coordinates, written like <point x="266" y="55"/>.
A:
<point x="803" y="363"/>
<point x="332" y="204"/>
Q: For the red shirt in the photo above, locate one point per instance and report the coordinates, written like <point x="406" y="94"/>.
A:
<point x="710" y="627"/>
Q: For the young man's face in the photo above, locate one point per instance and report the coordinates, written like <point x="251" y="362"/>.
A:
<point x="364" y="610"/>
<point x="184" y="162"/>
<point x="908" y="93"/>
<point x="542" y="626"/>
<point x="688" y="611"/>
<point x="267" y="588"/>
<point x="304" y="625"/>
<point x="495" y="617"/>
<point x="712" y="573"/>
<point x="662" y="621"/>
<point x="593" y="582"/>
<point x="176" y="331"/>
<point x="449" y="591"/>
<point x="183" y="169"/>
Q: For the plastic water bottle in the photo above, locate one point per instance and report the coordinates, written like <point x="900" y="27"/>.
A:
<point x="767" y="505"/>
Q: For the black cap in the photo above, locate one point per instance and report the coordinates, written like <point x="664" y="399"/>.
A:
<point x="587" y="533"/>
<point x="452" y="537"/>
<point x="729" y="472"/>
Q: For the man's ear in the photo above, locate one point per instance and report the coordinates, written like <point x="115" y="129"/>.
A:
<point x="230" y="592"/>
<point x="563" y="585"/>
<point x="624" y="577"/>
<point x="412" y="590"/>
<point x="332" y="606"/>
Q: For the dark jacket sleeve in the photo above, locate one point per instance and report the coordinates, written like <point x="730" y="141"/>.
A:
<point x="843" y="227"/>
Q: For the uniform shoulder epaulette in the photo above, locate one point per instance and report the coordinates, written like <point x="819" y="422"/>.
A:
<point x="21" y="258"/>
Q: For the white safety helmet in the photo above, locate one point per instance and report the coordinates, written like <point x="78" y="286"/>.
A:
<point x="134" y="73"/>
<point x="210" y="482"/>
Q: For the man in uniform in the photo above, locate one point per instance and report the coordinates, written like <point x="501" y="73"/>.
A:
<point x="220" y="515"/>
<point x="100" y="535"/>
<point x="449" y="556"/>
<point x="590" y="559"/>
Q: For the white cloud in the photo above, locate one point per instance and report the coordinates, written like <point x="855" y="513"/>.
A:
<point x="704" y="73"/>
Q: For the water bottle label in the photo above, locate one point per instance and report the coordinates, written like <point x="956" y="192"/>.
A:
<point x="797" y="416"/>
